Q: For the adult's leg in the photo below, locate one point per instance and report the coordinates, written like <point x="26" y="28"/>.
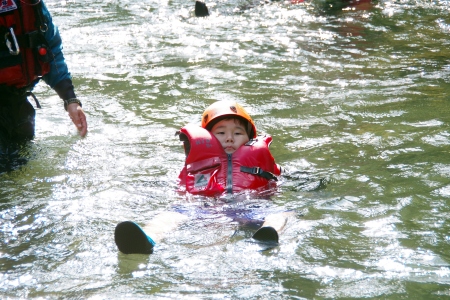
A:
<point x="24" y="119"/>
<point x="17" y="118"/>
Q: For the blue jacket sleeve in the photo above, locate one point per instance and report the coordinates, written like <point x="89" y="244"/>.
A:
<point x="59" y="77"/>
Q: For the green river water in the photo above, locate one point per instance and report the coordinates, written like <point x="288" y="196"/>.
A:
<point x="357" y="102"/>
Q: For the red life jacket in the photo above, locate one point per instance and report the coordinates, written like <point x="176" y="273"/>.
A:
<point x="210" y="171"/>
<point x="21" y="24"/>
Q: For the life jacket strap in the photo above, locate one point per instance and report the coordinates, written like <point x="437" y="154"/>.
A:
<point x="30" y="40"/>
<point x="42" y="22"/>
<point x="38" y="105"/>
<point x="259" y="172"/>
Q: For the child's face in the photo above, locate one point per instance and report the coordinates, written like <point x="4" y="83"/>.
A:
<point x="231" y="134"/>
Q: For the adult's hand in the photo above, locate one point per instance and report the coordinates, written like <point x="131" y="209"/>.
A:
<point x="78" y="117"/>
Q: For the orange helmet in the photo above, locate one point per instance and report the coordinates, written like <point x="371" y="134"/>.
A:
<point x="219" y="109"/>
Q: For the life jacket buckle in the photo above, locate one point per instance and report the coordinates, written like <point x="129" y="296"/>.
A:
<point x="251" y="170"/>
<point x="9" y="44"/>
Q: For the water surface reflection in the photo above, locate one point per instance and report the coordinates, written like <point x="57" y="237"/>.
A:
<point x="357" y="98"/>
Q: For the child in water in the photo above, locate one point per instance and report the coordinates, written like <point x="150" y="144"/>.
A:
<point x="224" y="155"/>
